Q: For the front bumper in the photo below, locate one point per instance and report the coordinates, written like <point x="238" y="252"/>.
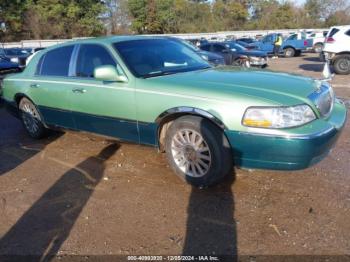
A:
<point x="293" y="152"/>
<point x="260" y="62"/>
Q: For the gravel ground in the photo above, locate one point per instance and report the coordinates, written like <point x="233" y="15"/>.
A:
<point x="78" y="194"/>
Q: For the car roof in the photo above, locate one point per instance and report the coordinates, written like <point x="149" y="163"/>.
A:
<point x="108" y="39"/>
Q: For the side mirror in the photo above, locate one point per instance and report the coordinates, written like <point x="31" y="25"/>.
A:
<point x="108" y="73"/>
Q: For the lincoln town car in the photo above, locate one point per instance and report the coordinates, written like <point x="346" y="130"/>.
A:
<point x="159" y="92"/>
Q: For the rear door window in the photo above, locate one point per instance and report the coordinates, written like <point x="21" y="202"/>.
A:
<point x="91" y="56"/>
<point x="347" y="33"/>
<point x="333" y="32"/>
<point x="56" y="62"/>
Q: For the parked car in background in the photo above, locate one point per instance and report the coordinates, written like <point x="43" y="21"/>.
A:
<point x="337" y="49"/>
<point x="255" y="57"/>
<point x="211" y="57"/>
<point x="235" y="54"/>
<point x="158" y="92"/>
<point x="244" y="44"/>
<point x="246" y="40"/>
<point x="17" y="55"/>
<point x="291" y="46"/>
<point x="318" y="39"/>
<point x="7" y="66"/>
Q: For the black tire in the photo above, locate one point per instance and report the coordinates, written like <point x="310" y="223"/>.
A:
<point x="318" y="47"/>
<point x="341" y="64"/>
<point x="289" y="52"/>
<point x="219" y="151"/>
<point x="31" y="119"/>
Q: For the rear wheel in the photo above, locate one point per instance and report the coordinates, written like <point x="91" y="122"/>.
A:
<point x="289" y="52"/>
<point x="198" y="151"/>
<point x="341" y="64"/>
<point x="31" y="119"/>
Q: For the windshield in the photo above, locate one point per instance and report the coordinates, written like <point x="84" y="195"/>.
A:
<point x="155" y="57"/>
<point x="236" y="46"/>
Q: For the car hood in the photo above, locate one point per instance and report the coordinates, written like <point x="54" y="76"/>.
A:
<point x="254" y="53"/>
<point x="4" y="64"/>
<point x="225" y="83"/>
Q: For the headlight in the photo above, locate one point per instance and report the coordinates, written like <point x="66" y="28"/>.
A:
<point x="14" y="59"/>
<point x="205" y="57"/>
<point x="278" y="117"/>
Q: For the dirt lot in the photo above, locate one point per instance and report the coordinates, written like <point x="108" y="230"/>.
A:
<point x="79" y="194"/>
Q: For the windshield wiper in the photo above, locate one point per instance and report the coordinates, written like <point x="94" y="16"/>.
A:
<point x="162" y="73"/>
<point x="158" y="73"/>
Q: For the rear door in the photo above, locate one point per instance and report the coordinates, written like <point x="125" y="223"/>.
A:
<point x="50" y="87"/>
<point x="102" y="107"/>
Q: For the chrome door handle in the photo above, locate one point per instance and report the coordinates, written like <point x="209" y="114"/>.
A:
<point x="34" y="85"/>
<point x="79" y="90"/>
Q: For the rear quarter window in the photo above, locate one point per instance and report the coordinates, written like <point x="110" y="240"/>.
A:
<point x="347" y="32"/>
<point x="55" y="62"/>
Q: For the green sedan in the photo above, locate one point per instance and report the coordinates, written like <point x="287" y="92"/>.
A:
<point x="156" y="91"/>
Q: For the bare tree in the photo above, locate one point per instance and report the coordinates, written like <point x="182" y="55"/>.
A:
<point x="117" y="17"/>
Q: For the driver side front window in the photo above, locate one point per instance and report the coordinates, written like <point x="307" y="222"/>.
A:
<point x="91" y="56"/>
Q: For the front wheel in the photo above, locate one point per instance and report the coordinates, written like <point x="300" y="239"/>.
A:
<point x="341" y="64"/>
<point x="198" y="151"/>
<point x="31" y="119"/>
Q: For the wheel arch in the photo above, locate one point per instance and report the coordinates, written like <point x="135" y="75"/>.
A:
<point x="289" y="46"/>
<point x="167" y="117"/>
<point x="343" y="53"/>
<point x="19" y="96"/>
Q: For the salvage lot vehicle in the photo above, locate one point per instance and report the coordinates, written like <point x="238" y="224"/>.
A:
<point x="255" y="57"/>
<point x="337" y="49"/>
<point x="292" y="46"/>
<point x="159" y="92"/>
<point x="235" y="54"/>
<point x="318" y="39"/>
<point x="211" y="57"/>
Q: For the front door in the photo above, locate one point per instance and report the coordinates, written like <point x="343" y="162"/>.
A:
<point x="268" y="43"/>
<point x="106" y="108"/>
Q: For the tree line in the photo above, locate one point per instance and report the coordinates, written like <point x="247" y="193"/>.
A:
<point x="53" y="19"/>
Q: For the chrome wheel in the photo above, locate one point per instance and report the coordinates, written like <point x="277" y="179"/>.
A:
<point x="30" y="116"/>
<point x="191" y="153"/>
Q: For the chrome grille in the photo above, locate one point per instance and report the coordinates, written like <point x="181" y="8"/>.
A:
<point x="323" y="98"/>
